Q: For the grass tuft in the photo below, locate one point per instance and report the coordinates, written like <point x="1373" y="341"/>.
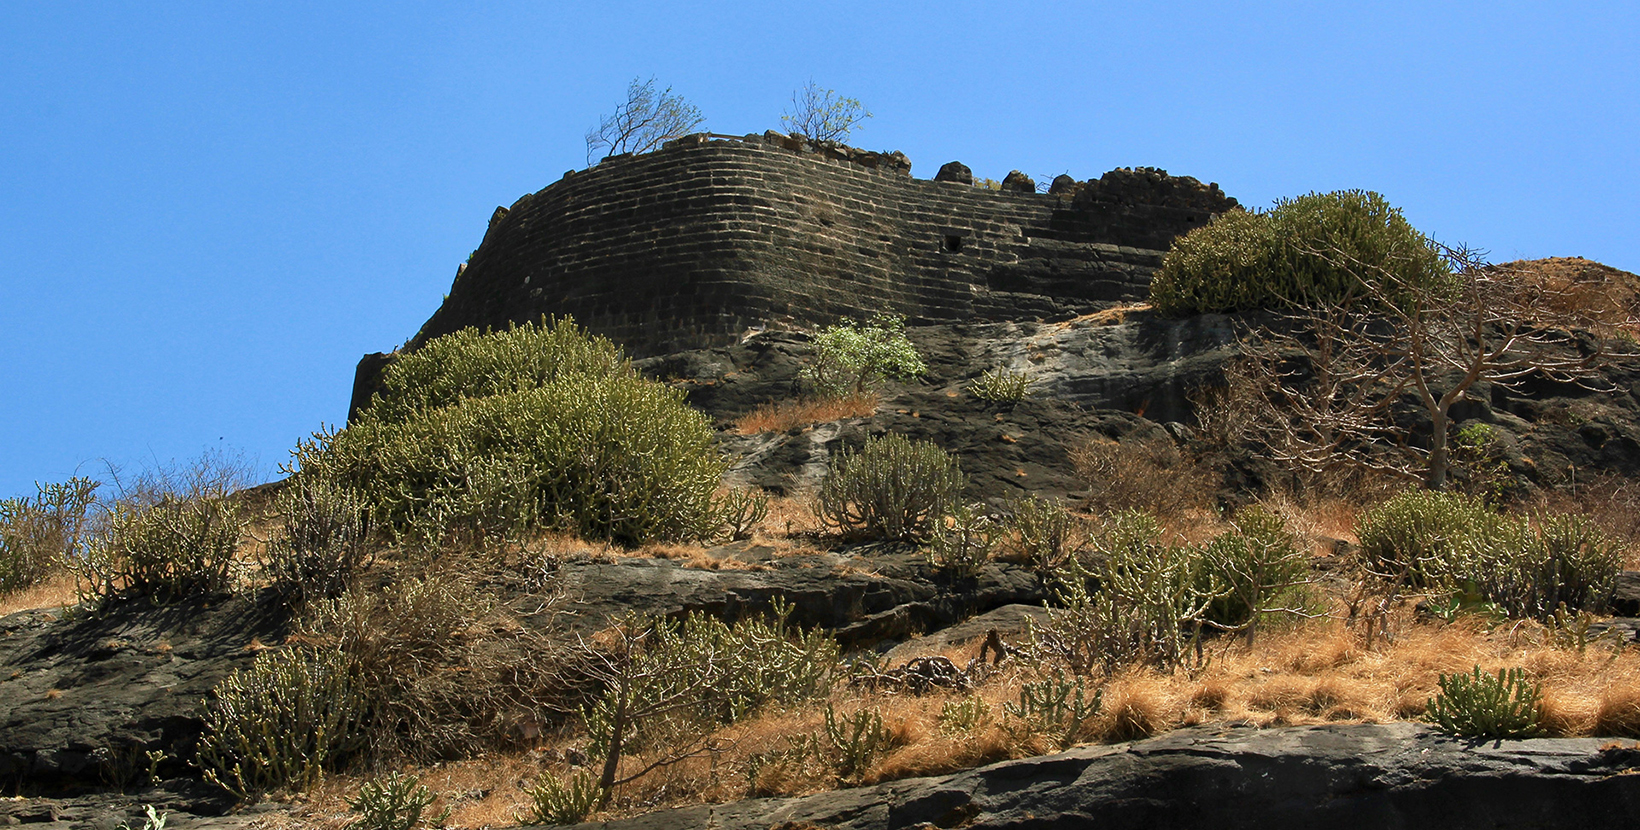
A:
<point x="782" y="416"/>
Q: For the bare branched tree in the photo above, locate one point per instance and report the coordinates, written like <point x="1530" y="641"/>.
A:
<point x="645" y="684"/>
<point x="645" y="121"/>
<point x="1334" y="382"/>
<point x="821" y="114"/>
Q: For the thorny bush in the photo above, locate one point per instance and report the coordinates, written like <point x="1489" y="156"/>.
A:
<point x="39" y="535"/>
<point x="892" y="488"/>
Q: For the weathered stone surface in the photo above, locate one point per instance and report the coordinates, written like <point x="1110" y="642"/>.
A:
<point x="1626" y="599"/>
<point x="1340" y="777"/>
<point x="1017" y="182"/>
<point x="82" y="699"/>
<point x="185" y="803"/>
<point x="1009" y="622"/>
<point x="868" y="596"/>
<point x="954" y="171"/>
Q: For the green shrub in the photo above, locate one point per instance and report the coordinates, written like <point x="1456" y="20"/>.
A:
<point x="1480" y="705"/>
<point x="853" y="358"/>
<point x="740" y="511"/>
<point x="713" y="672"/>
<point x="856" y="742"/>
<point x="1414" y="534"/>
<point x="485" y="435"/>
<point x="892" y="488"/>
<point x="1457" y="546"/>
<point x="1479" y="465"/>
<point x="667" y="681"/>
<point x="1043" y="532"/>
<point x="962" y="541"/>
<point x="1259" y="567"/>
<point x="322" y="541"/>
<point x="38" y="535"/>
<point x="554" y="801"/>
<point x="1001" y="386"/>
<point x="1134" y="600"/>
<point x="280" y="723"/>
<point x="394" y="803"/>
<point x="173" y="550"/>
<point x="441" y="668"/>
<point x="1576" y="565"/>
<point x="1047" y="707"/>
<point x="966" y="715"/>
<point x="1225" y="265"/>
<point x="474" y="364"/>
<point x="1320" y="248"/>
<point x="615" y="457"/>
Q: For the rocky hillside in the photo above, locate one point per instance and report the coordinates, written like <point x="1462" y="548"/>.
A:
<point x="100" y="712"/>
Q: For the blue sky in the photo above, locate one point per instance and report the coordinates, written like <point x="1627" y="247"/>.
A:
<point x="209" y="211"/>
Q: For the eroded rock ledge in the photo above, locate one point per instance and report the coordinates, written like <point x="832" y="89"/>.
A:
<point x="1397" y="775"/>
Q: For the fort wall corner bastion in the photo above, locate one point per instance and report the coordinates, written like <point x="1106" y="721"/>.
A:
<point x="693" y="244"/>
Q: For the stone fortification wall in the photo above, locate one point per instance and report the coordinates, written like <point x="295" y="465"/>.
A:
<point x="694" y="244"/>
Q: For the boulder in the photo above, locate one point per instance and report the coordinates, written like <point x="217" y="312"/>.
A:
<point x="1017" y="182"/>
<point x="1341" y="777"/>
<point x="954" y="171"/>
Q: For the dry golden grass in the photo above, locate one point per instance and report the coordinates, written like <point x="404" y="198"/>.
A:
<point x="491" y="791"/>
<point x="1138" y="705"/>
<point x="780" y="416"/>
<point x="1317" y="522"/>
<point x="1312" y="673"/>
<point x="55" y="592"/>
<point x="1143" y="473"/>
<point x="789" y="517"/>
<point x="1617" y="712"/>
<point x="1581" y="286"/>
<point x="1115" y="315"/>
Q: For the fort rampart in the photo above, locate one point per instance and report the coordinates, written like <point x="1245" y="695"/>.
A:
<point x="696" y="243"/>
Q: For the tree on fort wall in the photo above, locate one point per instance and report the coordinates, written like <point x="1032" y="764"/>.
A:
<point x="643" y="122"/>
<point x="821" y="114"/>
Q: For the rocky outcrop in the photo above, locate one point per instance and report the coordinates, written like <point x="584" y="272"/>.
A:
<point x="1216" y="778"/>
<point x="83" y="699"/>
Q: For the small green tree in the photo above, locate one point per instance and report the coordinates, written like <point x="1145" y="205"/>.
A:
<point x="855" y="358"/>
<point x="822" y="115"/>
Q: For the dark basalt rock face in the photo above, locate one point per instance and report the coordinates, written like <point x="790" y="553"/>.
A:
<point x="82" y="699"/>
<point x="1342" y="777"/>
